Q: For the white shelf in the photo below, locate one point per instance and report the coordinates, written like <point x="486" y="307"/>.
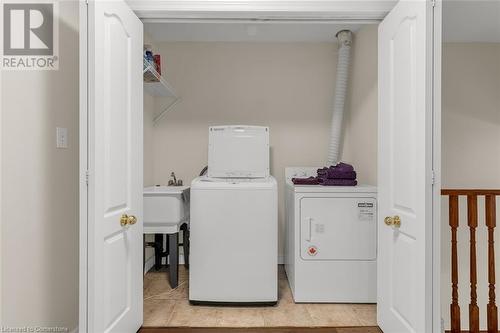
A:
<point x="155" y="84"/>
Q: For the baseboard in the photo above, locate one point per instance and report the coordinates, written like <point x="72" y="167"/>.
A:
<point x="151" y="262"/>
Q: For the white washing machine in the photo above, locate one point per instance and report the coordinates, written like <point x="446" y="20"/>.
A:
<point x="234" y="221"/>
<point x="331" y="241"/>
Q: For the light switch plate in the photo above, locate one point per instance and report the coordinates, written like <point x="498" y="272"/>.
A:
<point x="61" y="137"/>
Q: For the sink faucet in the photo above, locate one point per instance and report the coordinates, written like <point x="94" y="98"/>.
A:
<point x="174" y="181"/>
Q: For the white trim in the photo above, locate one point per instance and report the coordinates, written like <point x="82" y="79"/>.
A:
<point x="82" y="297"/>
<point x="436" y="204"/>
<point x="253" y="21"/>
<point x="1" y="212"/>
<point x="262" y="9"/>
<point x="151" y="262"/>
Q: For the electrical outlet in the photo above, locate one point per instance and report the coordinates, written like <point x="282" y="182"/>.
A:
<point x="61" y="137"/>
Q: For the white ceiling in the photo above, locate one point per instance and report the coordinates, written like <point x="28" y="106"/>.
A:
<point x="471" y="21"/>
<point x="247" y="31"/>
<point x="463" y="21"/>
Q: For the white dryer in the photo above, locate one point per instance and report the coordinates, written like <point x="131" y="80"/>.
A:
<point x="234" y="221"/>
<point x="331" y="241"/>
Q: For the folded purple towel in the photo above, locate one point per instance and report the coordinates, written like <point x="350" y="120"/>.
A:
<point x="306" y="181"/>
<point x="340" y="171"/>
<point x="337" y="182"/>
<point x="343" y="167"/>
<point x="334" y="174"/>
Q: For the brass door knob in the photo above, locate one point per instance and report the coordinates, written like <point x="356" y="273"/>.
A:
<point x="393" y="221"/>
<point x="124" y="220"/>
<point x="132" y="220"/>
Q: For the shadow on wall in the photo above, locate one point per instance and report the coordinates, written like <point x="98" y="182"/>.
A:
<point x="40" y="198"/>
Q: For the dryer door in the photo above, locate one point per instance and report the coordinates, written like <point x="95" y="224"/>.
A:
<point x="338" y="228"/>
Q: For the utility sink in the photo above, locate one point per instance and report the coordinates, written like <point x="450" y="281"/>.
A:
<point x="166" y="208"/>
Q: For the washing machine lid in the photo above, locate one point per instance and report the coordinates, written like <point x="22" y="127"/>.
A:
<point x="238" y="151"/>
<point x="209" y="183"/>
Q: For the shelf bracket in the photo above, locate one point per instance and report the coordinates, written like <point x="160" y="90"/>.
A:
<point x="165" y="111"/>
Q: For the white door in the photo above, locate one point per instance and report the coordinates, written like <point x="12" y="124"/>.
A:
<point x="115" y="86"/>
<point x="405" y="166"/>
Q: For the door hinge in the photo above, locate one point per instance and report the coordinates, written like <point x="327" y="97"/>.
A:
<point x="433" y="3"/>
<point x="87" y="177"/>
<point x="433" y="177"/>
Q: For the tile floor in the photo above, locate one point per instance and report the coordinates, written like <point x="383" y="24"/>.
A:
<point x="166" y="307"/>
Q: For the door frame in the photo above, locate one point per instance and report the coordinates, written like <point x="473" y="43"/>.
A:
<point x="360" y="11"/>
<point x="83" y="165"/>
<point x="436" y="166"/>
<point x="1" y="200"/>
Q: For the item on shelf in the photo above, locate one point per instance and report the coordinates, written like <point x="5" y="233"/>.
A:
<point x="157" y="62"/>
<point x="148" y="53"/>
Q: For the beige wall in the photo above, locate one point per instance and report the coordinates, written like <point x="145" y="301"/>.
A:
<point x="360" y="141"/>
<point x="149" y="111"/>
<point x="148" y="165"/>
<point x="40" y="189"/>
<point x="286" y="86"/>
<point x="470" y="155"/>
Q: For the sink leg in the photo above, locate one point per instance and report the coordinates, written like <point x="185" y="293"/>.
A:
<point x="185" y="244"/>
<point x="143" y="253"/>
<point x="173" y="268"/>
<point x="158" y="250"/>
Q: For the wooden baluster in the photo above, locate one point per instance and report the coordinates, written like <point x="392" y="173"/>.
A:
<point x="472" y="223"/>
<point x="454" y="307"/>
<point x="492" y="313"/>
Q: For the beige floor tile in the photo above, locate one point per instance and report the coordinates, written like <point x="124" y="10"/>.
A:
<point x="183" y="273"/>
<point x="164" y="306"/>
<point x="186" y="315"/>
<point x="240" y="317"/>
<point x="281" y="272"/>
<point x="179" y="293"/>
<point x="333" y="315"/>
<point x="287" y="314"/>
<point x="366" y="314"/>
<point x="157" y="312"/>
<point x="156" y="283"/>
<point x="284" y="292"/>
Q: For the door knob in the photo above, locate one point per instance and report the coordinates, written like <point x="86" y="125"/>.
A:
<point x="394" y="221"/>
<point x="132" y="220"/>
<point x="124" y="220"/>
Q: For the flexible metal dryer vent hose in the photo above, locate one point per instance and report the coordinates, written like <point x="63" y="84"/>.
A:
<point x="345" y="40"/>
